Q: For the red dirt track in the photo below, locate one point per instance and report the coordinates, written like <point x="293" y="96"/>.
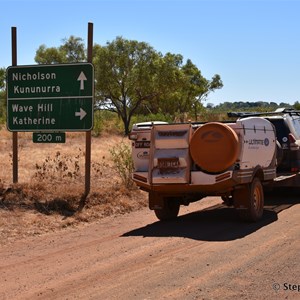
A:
<point x="206" y="253"/>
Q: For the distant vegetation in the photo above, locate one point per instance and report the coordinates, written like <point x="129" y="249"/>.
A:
<point x="247" y="106"/>
<point x="2" y="96"/>
<point x="136" y="83"/>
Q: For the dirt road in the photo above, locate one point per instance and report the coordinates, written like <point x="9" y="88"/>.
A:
<point x="207" y="253"/>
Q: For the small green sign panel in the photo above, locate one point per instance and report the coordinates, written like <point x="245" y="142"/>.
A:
<point x="49" y="137"/>
<point x="50" y="97"/>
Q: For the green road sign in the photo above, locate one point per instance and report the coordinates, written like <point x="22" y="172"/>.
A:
<point x="50" y="97"/>
<point x="49" y="137"/>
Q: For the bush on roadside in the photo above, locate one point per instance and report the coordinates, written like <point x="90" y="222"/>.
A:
<point x="106" y="122"/>
<point x="121" y="157"/>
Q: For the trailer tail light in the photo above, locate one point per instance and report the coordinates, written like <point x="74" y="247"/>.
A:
<point x="133" y="136"/>
<point x="223" y="176"/>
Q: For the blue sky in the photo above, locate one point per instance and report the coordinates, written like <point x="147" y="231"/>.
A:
<point x="254" y="45"/>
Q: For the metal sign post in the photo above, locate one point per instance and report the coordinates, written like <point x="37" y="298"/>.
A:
<point x="88" y="137"/>
<point x="15" y="134"/>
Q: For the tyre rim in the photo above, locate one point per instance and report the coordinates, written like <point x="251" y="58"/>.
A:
<point x="257" y="197"/>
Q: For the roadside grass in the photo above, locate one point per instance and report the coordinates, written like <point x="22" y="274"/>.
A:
<point x="51" y="183"/>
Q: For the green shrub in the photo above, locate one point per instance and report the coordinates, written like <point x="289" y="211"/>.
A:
<point x="106" y="122"/>
<point x="121" y="156"/>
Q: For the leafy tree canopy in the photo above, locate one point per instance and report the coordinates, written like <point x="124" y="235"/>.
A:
<point x="2" y="94"/>
<point x="249" y="106"/>
<point x="126" y="75"/>
<point x="188" y="90"/>
<point x="2" y="78"/>
<point x="72" y="50"/>
<point x="132" y="77"/>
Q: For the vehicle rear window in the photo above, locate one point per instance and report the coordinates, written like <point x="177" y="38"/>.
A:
<point x="282" y="130"/>
<point x="296" y="123"/>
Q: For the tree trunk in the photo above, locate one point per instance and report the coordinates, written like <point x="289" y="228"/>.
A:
<point x="126" y="127"/>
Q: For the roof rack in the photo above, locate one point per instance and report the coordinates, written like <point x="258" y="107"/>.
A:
<point x="278" y="111"/>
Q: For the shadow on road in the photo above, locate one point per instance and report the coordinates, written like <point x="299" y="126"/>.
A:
<point x="217" y="223"/>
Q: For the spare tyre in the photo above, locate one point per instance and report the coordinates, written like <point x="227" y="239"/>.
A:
<point x="214" y="147"/>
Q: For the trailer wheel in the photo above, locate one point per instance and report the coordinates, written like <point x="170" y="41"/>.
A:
<point x="169" y="210"/>
<point x="249" y="201"/>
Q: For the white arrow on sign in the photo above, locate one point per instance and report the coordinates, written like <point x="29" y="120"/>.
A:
<point x="80" y="114"/>
<point x="81" y="78"/>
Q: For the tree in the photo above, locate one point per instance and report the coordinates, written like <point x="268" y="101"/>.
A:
<point x="46" y="55"/>
<point x="2" y="92"/>
<point x="73" y="50"/>
<point x="195" y="88"/>
<point x="2" y="78"/>
<point x="297" y="105"/>
<point x="132" y="77"/>
<point x="168" y="72"/>
<point x="126" y="75"/>
<point x="187" y="88"/>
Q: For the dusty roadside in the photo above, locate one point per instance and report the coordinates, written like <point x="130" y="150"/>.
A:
<point x="51" y="183"/>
